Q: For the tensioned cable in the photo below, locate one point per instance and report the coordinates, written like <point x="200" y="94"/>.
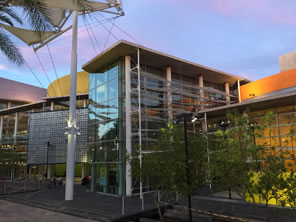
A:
<point x="90" y="37"/>
<point x="55" y="71"/>
<point x="123" y="31"/>
<point x="93" y="35"/>
<point x="105" y="27"/>
<point x="44" y="71"/>
<point x="103" y="21"/>
<point x="109" y="35"/>
<point x="34" y="74"/>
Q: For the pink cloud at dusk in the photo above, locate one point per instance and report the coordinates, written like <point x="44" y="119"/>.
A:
<point x="269" y="11"/>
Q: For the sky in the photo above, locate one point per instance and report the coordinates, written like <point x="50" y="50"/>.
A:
<point x="241" y="37"/>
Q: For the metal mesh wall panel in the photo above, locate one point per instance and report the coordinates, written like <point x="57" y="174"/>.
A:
<point x="50" y="127"/>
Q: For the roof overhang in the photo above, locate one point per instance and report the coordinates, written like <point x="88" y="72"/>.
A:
<point x="46" y="101"/>
<point x="158" y="60"/>
<point x="284" y="99"/>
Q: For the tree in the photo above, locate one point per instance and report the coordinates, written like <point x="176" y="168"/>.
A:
<point x="37" y="17"/>
<point x="234" y="155"/>
<point x="165" y="163"/>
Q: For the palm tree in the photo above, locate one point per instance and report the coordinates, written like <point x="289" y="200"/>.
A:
<point x="37" y="17"/>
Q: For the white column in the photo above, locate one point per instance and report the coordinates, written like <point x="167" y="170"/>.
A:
<point x="168" y="72"/>
<point x="69" y="192"/>
<point x="49" y="169"/>
<point x="93" y="177"/>
<point x="227" y="91"/>
<point x="201" y="91"/>
<point x="52" y="106"/>
<point x="239" y="92"/>
<point x="8" y="104"/>
<point x="85" y="103"/>
<point x="83" y="170"/>
<point x="15" y="127"/>
<point x="1" y="128"/>
<point x="40" y="173"/>
<point x="140" y="119"/>
<point x="30" y="172"/>
<point x="128" y="127"/>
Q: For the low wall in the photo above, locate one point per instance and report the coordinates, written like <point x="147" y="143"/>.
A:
<point x="238" y="208"/>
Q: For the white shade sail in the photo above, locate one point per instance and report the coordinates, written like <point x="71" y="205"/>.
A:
<point x="28" y="36"/>
<point x="56" y="16"/>
<point x="69" y="5"/>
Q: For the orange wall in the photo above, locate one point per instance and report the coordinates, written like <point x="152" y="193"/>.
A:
<point x="269" y="84"/>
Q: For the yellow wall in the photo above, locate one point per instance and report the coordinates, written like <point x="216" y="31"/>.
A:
<point x="269" y="84"/>
<point x="61" y="86"/>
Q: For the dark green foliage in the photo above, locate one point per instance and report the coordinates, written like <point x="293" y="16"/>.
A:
<point x="165" y="165"/>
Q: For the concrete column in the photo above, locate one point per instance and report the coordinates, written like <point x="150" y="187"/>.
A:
<point x="1" y="128"/>
<point x="49" y="171"/>
<point x="52" y="106"/>
<point x="168" y="72"/>
<point x="40" y="172"/>
<point x="15" y="127"/>
<point x="227" y="91"/>
<point x="128" y="126"/>
<point x="93" y="177"/>
<point x="201" y="91"/>
<point x="239" y="92"/>
<point x="8" y="104"/>
<point x="83" y="170"/>
<point x="85" y="103"/>
<point x="30" y="172"/>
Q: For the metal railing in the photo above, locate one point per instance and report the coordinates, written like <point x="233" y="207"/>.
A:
<point x="146" y="200"/>
<point x="11" y="187"/>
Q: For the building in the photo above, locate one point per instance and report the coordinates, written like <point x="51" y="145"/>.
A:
<point x="9" y="98"/>
<point x="125" y="96"/>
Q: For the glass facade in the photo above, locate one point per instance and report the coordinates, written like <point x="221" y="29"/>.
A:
<point x="105" y="129"/>
<point x="13" y="149"/>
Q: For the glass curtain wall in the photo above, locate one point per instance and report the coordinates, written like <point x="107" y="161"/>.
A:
<point x="280" y="134"/>
<point x="106" y="129"/>
<point x="155" y="107"/>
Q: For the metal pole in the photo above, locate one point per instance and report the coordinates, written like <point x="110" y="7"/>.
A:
<point x="69" y="192"/>
<point x="208" y="150"/>
<point x="1" y="128"/>
<point x="187" y="168"/>
<point x="128" y="127"/>
<point x="14" y="154"/>
<point x="140" y="122"/>
<point x="48" y="144"/>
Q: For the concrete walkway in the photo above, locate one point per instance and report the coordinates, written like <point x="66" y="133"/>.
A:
<point x="14" y="212"/>
<point x="87" y="204"/>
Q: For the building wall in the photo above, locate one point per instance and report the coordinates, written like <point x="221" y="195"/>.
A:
<point x="269" y="84"/>
<point x="287" y="61"/>
<point x="50" y="127"/>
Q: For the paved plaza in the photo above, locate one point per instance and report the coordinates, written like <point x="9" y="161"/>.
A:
<point x="15" y="212"/>
<point x="86" y="204"/>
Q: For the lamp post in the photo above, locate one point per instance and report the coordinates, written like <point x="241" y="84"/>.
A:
<point x="48" y="145"/>
<point x="252" y="127"/>
<point x="14" y="162"/>
<point x="187" y="117"/>
<point x="223" y="124"/>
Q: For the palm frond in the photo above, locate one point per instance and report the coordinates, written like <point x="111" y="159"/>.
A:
<point x="9" y="49"/>
<point x="11" y="13"/>
<point x="36" y="14"/>
<point x="5" y="19"/>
